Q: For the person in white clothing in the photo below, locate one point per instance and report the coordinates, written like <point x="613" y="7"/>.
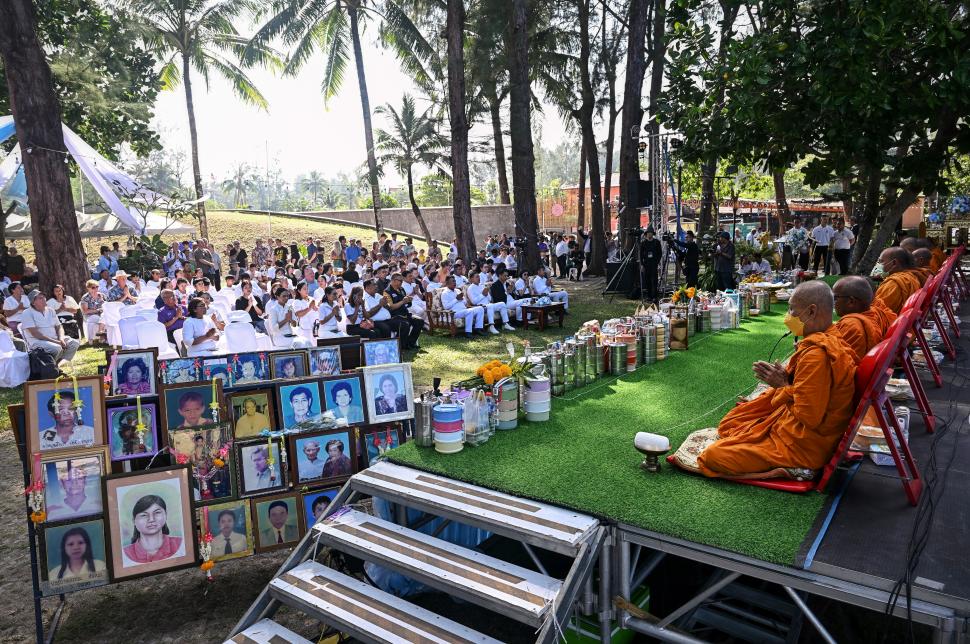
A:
<point x="842" y="240"/>
<point x="305" y="309"/>
<point x="329" y="313"/>
<point x="416" y="291"/>
<point x="199" y="333"/>
<point x="453" y="300"/>
<point x="281" y="320"/>
<point x="479" y="295"/>
<point x="15" y="304"/>
<point x="523" y="286"/>
<point x="502" y="290"/>
<point x="562" y="254"/>
<point x="43" y="330"/>
<point x="822" y="234"/>
<point x="542" y="286"/>
<point x="460" y="279"/>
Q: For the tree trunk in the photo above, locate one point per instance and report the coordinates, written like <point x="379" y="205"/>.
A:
<point x="460" y="181"/>
<point x="597" y="247"/>
<point x="657" y="56"/>
<point x="608" y="169"/>
<point x="870" y="212"/>
<point x="416" y="210"/>
<point x="375" y="188"/>
<point x="632" y="116"/>
<point x="581" y="206"/>
<point x="710" y="212"/>
<point x="194" y="142"/>
<point x="520" y="130"/>
<point x="495" y="107"/>
<point x="847" y="205"/>
<point x="37" y="117"/>
<point x="781" y="199"/>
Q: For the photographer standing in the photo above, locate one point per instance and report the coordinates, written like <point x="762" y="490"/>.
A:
<point x="724" y="261"/>
<point x="650" y="255"/>
<point x="689" y="254"/>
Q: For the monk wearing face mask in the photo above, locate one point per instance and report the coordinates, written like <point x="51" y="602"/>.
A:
<point x="863" y="321"/>
<point x="898" y="282"/>
<point x="798" y="422"/>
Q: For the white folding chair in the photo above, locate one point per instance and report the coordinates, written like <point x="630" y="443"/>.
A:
<point x="129" y="331"/>
<point x="14" y="365"/>
<point x="152" y="334"/>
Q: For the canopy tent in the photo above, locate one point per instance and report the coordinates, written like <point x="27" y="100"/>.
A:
<point x="103" y="225"/>
<point x="109" y="182"/>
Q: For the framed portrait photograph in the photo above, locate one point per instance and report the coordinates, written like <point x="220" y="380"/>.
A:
<point x="179" y="371"/>
<point x="74" y="556"/>
<point x="287" y="365"/>
<point x="325" y="361"/>
<point x="133" y="372"/>
<point x="342" y="395"/>
<point x="349" y="350"/>
<point x="231" y="526"/>
<point x="62" y="416"/>
<point x="72" y="482"/>
<point x="217" y="368"/>
<point x="279" y="520"/>
<point x="377" y="441"/>
<point x="150" y="521"/>
<point x="249" y="368"/>
<point x="384" y="351"/>
<point x="260" y="468"/>
<point x="123" y="437"/>
<point x="323" y="457"/>
<point x="299" y="404"/>
<point x="315" y="504"/>
<point x="390" y="392"/>
<point x="200" y="447"/>
<point x="252" y="411"/>
<point x="189" y="406"/>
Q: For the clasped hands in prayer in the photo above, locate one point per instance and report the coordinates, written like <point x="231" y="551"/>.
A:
<point x="772" y="374"/>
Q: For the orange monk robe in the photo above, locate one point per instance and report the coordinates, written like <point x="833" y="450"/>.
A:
<point x="896" y="289"/>
<point x="798" y="425"/>
<point x="861" y="331"/>
<point x="938" y="258"/>
<point x="922" y="274"/>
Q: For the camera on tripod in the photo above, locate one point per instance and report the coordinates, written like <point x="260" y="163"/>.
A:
<point x="667" y="237"/>
<point x="637" y="231"/>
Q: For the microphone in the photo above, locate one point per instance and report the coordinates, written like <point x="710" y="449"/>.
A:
<point x="776" y="346"/>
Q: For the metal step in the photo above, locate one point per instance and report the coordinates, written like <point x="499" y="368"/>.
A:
<point x="266" y="631"/>
<point x="532" y="522"/>
<point x="365" y="612"/>
<point x="508" y="589"/>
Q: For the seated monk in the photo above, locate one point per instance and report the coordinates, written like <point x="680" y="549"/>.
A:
<point x="897" y="283"/>
<point x="922" y="258"/>
<point x="938" y="255"/>
<point x="799" y="421"/>
<point x="861" y="325"/>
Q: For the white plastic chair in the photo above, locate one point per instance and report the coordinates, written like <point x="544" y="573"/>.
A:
<point x="241" y="337"/>
<point x="221" y="309"/>
<point x="179" y="343"/>
<point x="152" y="334"/>
<point x="129" y="331"/>
<point x="128" y="312"/>
<point x="240" y="316"/>
<point x="148" y="314"/>
<point x="110" y="314"/>
<point x="14" y="365"/>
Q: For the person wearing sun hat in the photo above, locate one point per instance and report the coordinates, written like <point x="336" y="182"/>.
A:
<point x="122" y="291"/>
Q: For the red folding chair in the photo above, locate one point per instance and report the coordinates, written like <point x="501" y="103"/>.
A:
<point x="917" y="303"/>
<point x="932" y="289"/>
<point x="903" y="326"/>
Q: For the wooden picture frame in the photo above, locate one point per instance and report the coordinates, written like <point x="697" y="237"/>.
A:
<point x="56" y="576"/>
<point x="263" y="416"/>
<point x="353" y="408"/>
<point x="250" y="368"/>
<point x="200" y="447"/>
<point x="380" y="351"/>
<point x="41" y="429"/>
<point x="172" y="398"/>
<point x="218" y="367"/>
<point x="279" y="361"/>
<point x="72" y="482"/>
<point x="242" y="544"/>
<point x="128" y="496"/>
<point x="291" y="531"/>
<point x="392" y="380"/>
<point x="178" y="371"/>
<point x="325" y="469"/>
<point x="325" y="361"/>
<point x="299" y="403"/>
<point x="251" y="479"/>
<point x="350" y="348"/>
<point x="312" y="499"/>
<point x="121" y="417"/>
<point x="374" y="442"/>
<point x="120" y="364"/>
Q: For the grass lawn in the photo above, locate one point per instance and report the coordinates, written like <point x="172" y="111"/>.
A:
<point x="583" y="457"/>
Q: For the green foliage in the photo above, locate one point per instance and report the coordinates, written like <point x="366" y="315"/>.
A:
<point x="105" y="80"/>
<point x="149" y="256"/>
<point x="412" y="139"/>
<point x="433" y="190"/>
<point x="388" y="200"/>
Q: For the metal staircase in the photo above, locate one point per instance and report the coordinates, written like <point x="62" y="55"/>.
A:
<point x="529" y="596"/>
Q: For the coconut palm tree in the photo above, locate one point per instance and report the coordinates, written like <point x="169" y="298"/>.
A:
<point x="200" y="34"/>
<point x="240" y="183"/>
<point x="412" y="139"/>
<point x="313" y="183"/>
<point x="305" y="26"/>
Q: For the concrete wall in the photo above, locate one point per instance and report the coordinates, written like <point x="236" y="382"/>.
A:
<point x="488" y="220"/>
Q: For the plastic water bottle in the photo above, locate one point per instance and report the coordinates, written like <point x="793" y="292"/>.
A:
<point x="470" y="417"/>
<point x="492" y="413"/>
<point x="483" y="425"/>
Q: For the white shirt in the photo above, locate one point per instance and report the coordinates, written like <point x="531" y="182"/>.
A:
<point x="306" y="322"/>
<point x="586" y="245"/>
<point x="562" y="248"/>
<point x="510" y="263"/>
<point x="450" y="301"/>
<point x="460" y="281"/>
<point x="11" y="303"/>
<point x="46" y="323"/>
<point x="478" y="295"/>
<point x="324" y="310"/>
<point x="540" y="285"/>
<point x="370" y="301"/>
<point x="822" y="235"/>
<point x="432" y="286"/>
<point x="521" y="288"/>
<point x="194" y="328"/>
<point x="276" y="315"/>
<point x="842" y="239"/>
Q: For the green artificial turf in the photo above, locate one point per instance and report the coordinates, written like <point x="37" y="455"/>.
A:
<point x="584" y="458"/>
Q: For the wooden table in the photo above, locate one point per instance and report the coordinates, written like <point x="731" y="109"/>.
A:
<point x="539" y="314"/>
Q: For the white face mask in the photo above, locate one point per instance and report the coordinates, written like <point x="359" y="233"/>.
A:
<point x="878" y="270"/>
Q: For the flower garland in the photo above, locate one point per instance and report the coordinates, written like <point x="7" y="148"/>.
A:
<point x="35" y="493"/>
<point x="205" y="547"/>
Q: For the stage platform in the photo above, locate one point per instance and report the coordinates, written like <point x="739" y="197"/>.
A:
<point x="853" y="546"/>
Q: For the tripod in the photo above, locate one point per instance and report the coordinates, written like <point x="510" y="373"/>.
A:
<point x="624" y="266"/>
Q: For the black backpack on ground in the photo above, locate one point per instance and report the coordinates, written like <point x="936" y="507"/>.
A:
<point x="42" y="365"/>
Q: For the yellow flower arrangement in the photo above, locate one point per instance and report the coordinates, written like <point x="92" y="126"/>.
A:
<point x="683" y="293"/>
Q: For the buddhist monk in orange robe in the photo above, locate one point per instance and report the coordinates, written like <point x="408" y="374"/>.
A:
<point x="938" y="256"/>
<point x="799" y="421"/>
<point x="922" y="257"/>
<point x="898" y="283"/>
<point x="860" y="325"/>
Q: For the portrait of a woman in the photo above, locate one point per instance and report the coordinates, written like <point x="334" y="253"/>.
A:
<point x="344" y="405"/>
<point x="77" y="560"/>
<point x="389" y="401"/>
<point x="134" y="378"/>
<point x="337" y="463"/>
<point x="151" y="540"/>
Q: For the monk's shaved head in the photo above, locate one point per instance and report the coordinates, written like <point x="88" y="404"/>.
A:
<point x="924" y="242"/>
<point x="922" y="257"/>
<point x="853" y="294"/>
<point x="814" y="292"/>
<point x="909" y="243"/>
<point x="899" y="258"/>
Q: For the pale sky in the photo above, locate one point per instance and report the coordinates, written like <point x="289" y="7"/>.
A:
<point x="299" y="131"/>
